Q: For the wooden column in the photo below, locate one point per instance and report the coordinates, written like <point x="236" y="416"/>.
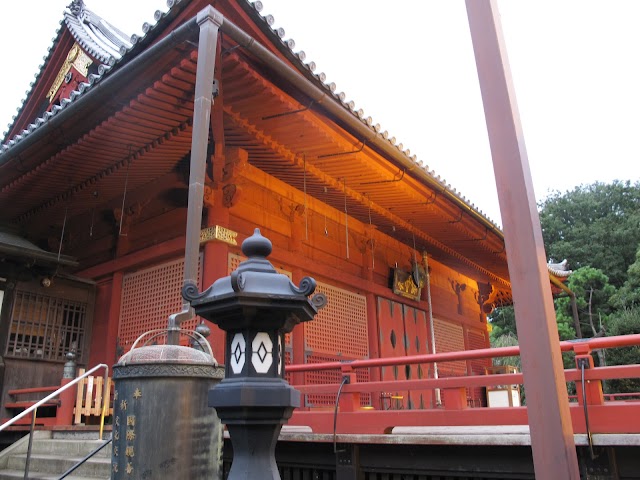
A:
<point x="372" y="312"/>
<point x="298" y="356"/>
<point x="220" y="195"/>
<point x="552" y="443"/>
<point x="215" y="261"/>
<point x="114" y="315"/>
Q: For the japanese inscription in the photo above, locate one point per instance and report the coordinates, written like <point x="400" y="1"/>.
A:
<point x="124" y="432"/>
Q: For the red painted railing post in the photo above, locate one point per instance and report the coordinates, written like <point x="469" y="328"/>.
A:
<point x="455" y="398"/>
<point x="593" y="388"/>
<point x="64" y="413"/>
<point x="349" y="402"/>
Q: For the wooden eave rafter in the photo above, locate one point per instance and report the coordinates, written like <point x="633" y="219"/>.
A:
<point x="150" y="121"/>
<point x="440" y="251"/>
<point x="306" y="138"/>
<point x="150" y="133"/>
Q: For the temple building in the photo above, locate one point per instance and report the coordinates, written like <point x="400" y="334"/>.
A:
<point x="93" y="186"/>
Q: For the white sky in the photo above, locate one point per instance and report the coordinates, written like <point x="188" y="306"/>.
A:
<point x="410" y="67"/>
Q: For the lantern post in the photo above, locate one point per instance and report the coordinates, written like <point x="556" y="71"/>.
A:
<point x="256" y="307"/>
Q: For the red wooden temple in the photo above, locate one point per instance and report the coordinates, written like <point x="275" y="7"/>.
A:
<point x="94" y="190"/>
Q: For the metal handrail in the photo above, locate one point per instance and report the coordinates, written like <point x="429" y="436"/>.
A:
<point x="34" y="409"/>
<point x="81" y="462"/>
<point x="480" y="353"/>
<point x="62" y="389"/>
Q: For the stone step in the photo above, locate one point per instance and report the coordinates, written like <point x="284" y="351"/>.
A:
<point x="96" y="467"/>
<point x="79" y="434"/>
<point x="19" y="474"/>
<point x="70" y="447"/>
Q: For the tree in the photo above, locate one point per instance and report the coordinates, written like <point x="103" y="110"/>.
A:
<point x="503" y="322"/>
<point x="624" y="322"/>
<point x="595" y="225"/>
<point x="628" y="296"/>
<point x="593" y="293"/>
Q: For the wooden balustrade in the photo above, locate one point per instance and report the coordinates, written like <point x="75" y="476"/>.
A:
<point x="89" y="398"/>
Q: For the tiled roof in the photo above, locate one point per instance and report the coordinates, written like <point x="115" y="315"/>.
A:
<point x="95" y="35"/>
<point x="286" y="46"/>
<point x="559" y="269"/>
<point x="14" y="245"/>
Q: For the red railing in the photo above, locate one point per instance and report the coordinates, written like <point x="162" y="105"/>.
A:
<point x="604" y="416"/>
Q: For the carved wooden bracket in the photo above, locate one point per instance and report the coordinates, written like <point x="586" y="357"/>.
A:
<point x="236" y="159"/>
<point x="230" y="195"/>
<point x="208" y="198"/>
<point x="485" y="298"/>
<point x="458" y="288"/>
<point x="125" y="219"/>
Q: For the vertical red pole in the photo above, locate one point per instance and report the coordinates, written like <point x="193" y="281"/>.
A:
<point x="552" y="443"/>
<point x="114" y="317"/>
<point x="593" y="388"/>
<point x="64" y="413"/>
<point x="216" y="265"/>
<point x="374" y="346"/>
<point x="349" y="402"/>
<point x="373" y="330"/>
<point x="298" y="356"/>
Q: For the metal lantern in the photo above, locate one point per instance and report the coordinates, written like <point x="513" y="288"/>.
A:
<point x="162" y="426"/>
<point x="256" y="307"/>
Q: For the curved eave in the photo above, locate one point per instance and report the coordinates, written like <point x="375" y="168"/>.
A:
<point x="29" y="252"/>
<point x="363" y="127"/>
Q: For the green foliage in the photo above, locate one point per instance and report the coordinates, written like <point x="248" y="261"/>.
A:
<point x="506" y="340"/>
<point x="628" y="295"/>
<point x="593" y="294"/>
<point x="597" y="228"/>
<point x="595" y="225"/>
<point x="624" y="322"/>
<point x="503" y="322"/>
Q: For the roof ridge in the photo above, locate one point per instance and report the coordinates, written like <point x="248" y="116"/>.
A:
<point x="74" y="13"/>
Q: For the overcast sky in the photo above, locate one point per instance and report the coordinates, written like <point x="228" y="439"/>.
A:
<point x="409" y="65"/>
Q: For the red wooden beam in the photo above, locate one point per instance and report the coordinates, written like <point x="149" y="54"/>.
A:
<point x="615" y="417"/>
<point x="552" y="444"/>
<point x="480" y="353"/>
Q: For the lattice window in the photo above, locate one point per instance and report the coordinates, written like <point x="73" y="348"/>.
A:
<point x="148" y="298"/>
<point x="337" y="333"/>
<point x="449" y="338"/>
<point x="477" y="339"/>
<point x="46" y="327"/>
<point x="340" y="328"/>
<point x="330" y="377"/>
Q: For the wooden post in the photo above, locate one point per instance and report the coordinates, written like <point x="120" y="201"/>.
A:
<point x="64" y="413"/>
<point x="554" y="452"/>
<point x="349" y="402"/>
<point x="593" y="388"/>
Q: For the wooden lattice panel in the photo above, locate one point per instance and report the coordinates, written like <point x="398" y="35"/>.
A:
<point x="340" y="328"/>
<point x="148" y="298"/>
<point x="449" y="338"/>
<point x="477" y="339"/>
<point x="330" y="377"/>
<point x="287" y="361"/>
<point x="46" y="327"/>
